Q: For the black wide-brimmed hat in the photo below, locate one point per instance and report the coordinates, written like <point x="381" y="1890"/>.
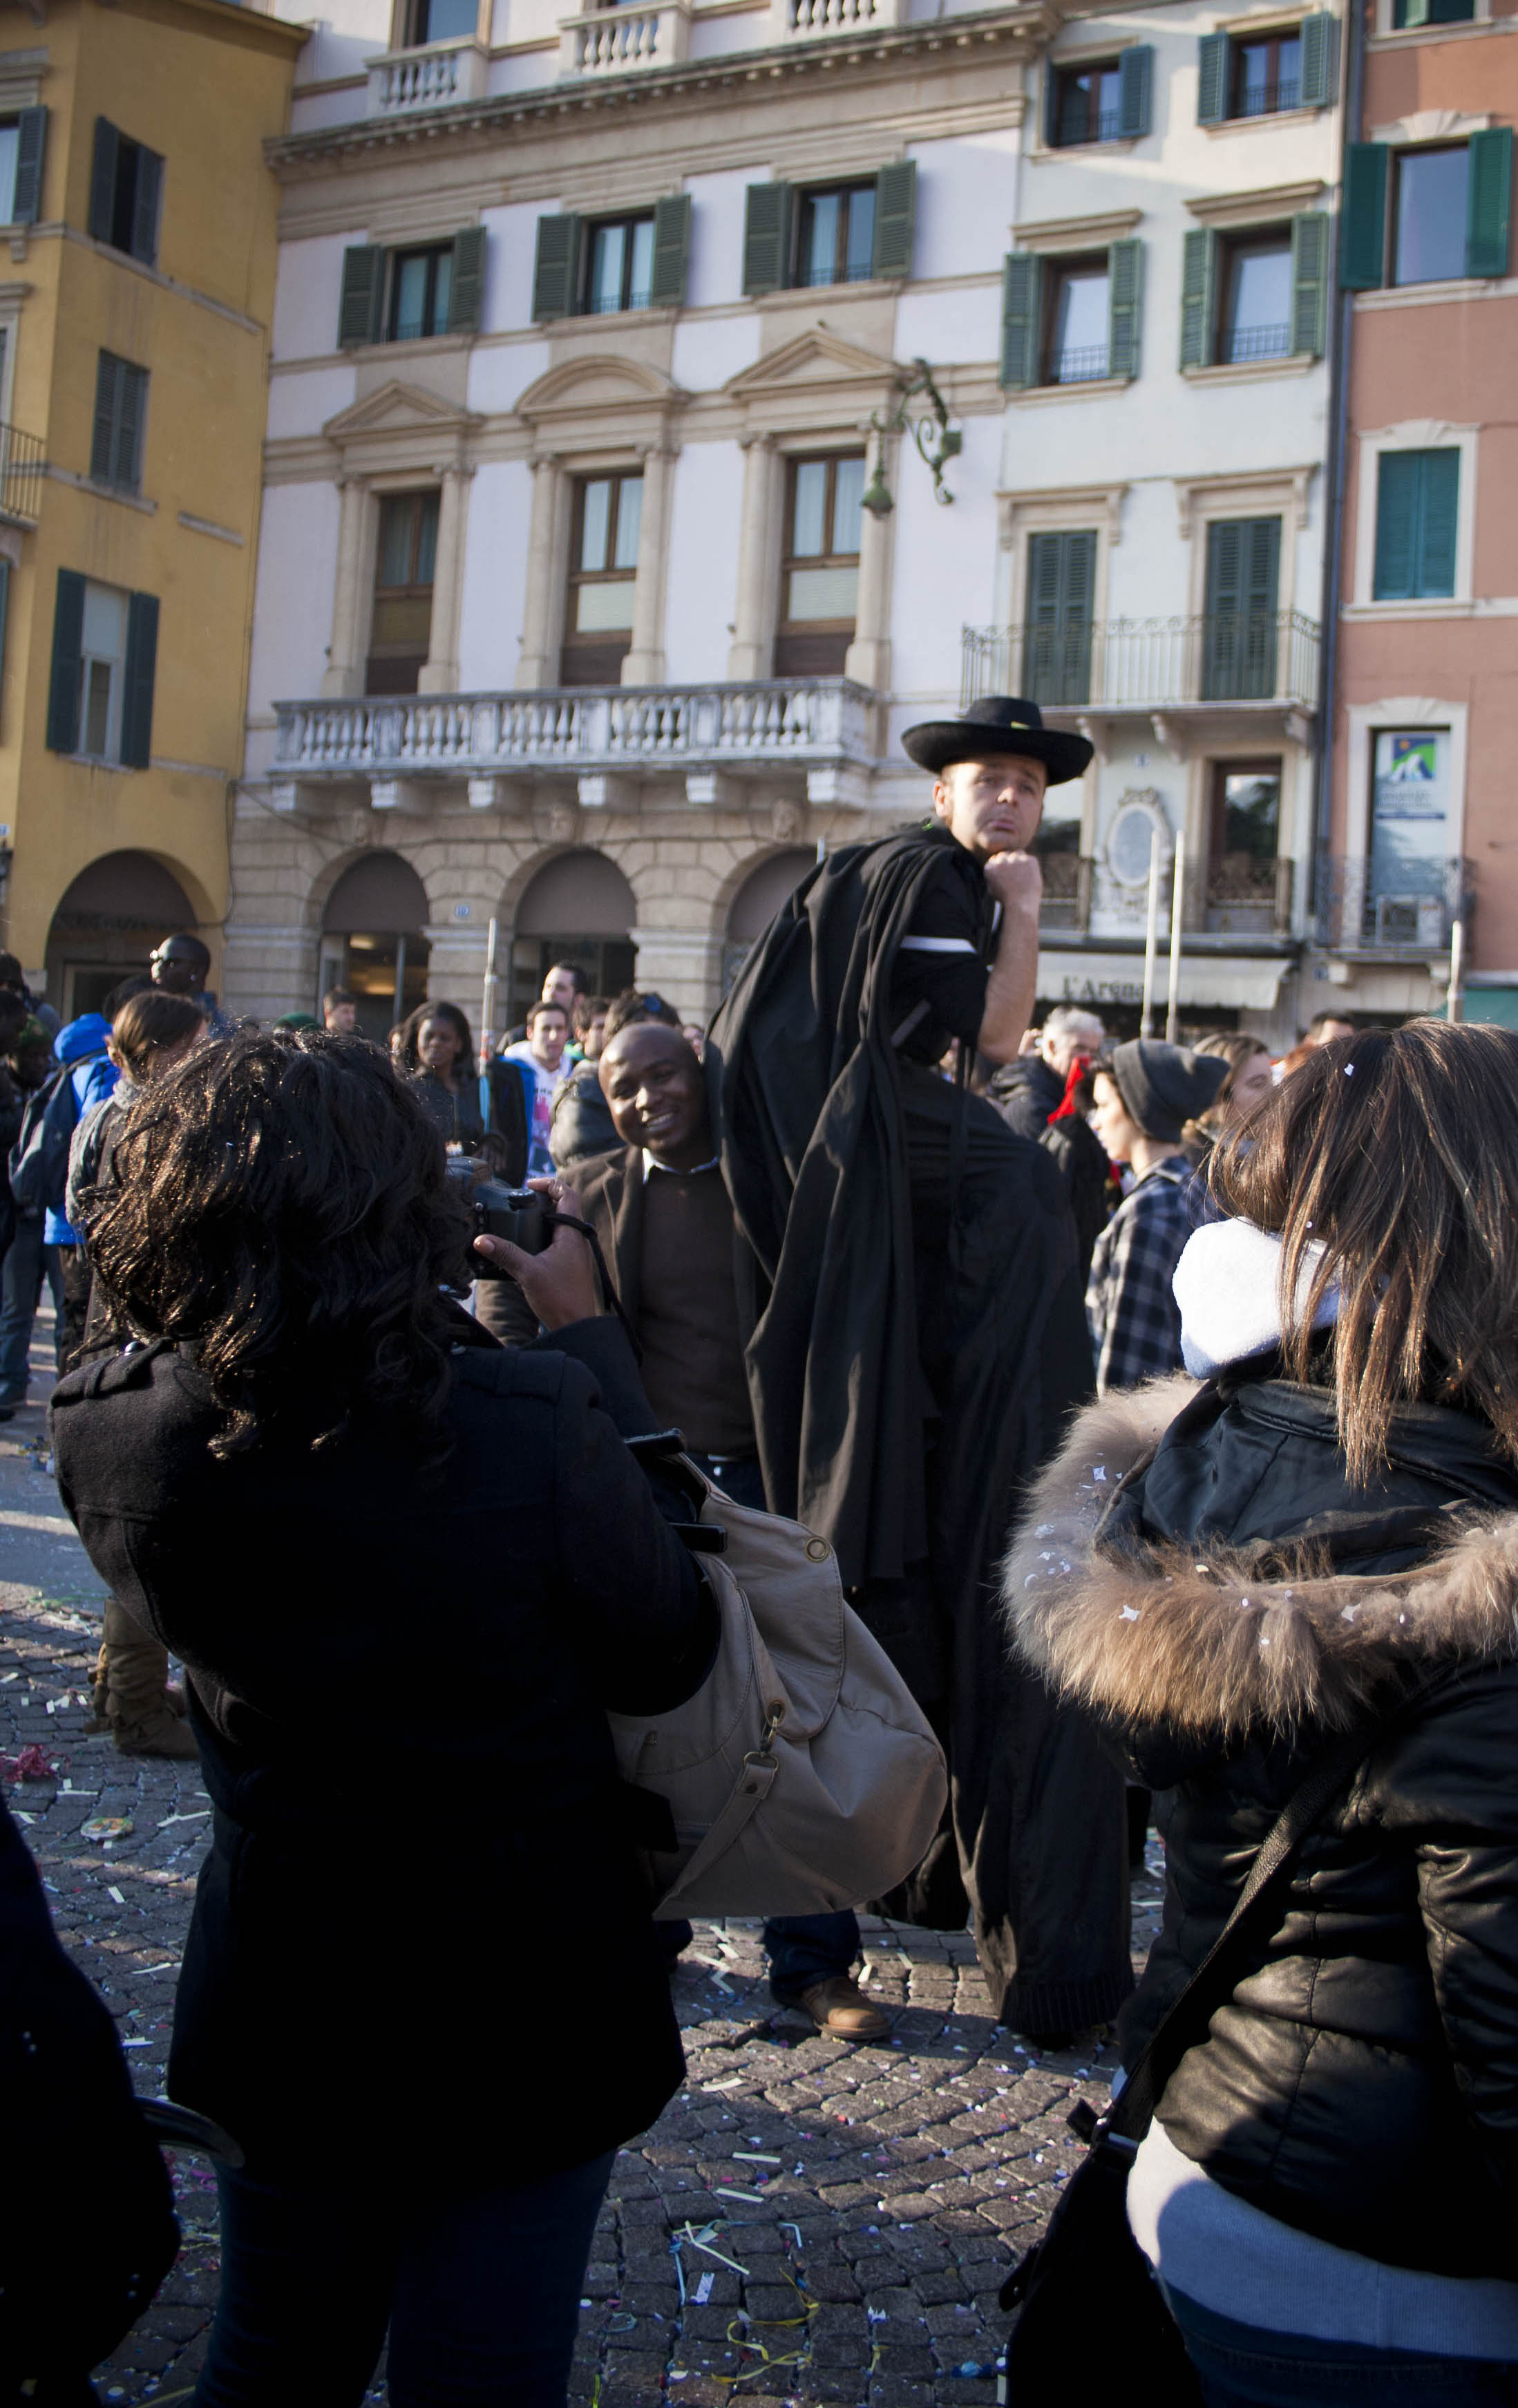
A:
<point x="998" y="722"/>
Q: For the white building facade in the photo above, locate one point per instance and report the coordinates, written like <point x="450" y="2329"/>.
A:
<point x="578" y="610"/>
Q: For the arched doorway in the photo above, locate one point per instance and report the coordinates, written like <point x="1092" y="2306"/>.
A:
<point x="108" y="921"/>
<point x="372" y="941"/>
<point x="757" y="900"/>
<point x="579" y="907"/>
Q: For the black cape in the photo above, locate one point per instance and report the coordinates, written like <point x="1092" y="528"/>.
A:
<point x="916" y="1342"/>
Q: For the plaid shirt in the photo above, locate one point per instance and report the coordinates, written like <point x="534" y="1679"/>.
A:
<point x="1131" y="1310"/>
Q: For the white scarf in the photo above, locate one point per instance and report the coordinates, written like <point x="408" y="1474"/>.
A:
<point x="1227" y="1284"/>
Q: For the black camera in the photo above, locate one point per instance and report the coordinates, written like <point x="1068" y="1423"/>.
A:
<point x="519" y="1215"/>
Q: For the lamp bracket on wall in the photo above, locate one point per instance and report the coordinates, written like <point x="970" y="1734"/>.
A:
<point x="937" y="441"/>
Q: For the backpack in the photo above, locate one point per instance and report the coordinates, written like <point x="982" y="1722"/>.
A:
<point x="39" y="1157"/>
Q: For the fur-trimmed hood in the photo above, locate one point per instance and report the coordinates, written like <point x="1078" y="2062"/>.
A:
<point x="1190" y="1639"/>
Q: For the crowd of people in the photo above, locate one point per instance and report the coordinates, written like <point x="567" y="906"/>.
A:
<point x="1156" y="1404"/>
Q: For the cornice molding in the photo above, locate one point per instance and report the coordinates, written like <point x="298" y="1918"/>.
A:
<point x="1054" y="236"/>
<point x="1253" y="208"/>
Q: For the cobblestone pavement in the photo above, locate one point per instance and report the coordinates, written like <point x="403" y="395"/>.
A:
<point x="807" y="2221"/>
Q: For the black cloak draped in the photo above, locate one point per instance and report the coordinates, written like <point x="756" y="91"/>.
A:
<point x="916" y="1339"/>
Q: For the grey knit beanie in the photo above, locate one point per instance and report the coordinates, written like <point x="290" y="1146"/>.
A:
<point x="1164" y="1086"/>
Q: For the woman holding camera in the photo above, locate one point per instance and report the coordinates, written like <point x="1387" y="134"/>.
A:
<point x="1321" y="1541"/>
<point x="408" y="1571"/>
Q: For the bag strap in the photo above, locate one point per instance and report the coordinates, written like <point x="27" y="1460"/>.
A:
<point x="1186" y="2022"/>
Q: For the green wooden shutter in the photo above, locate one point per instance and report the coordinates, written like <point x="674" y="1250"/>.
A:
<point x="1050" y="106"/>
<point x="1198" y="285"/>
<point x="1022" y="283"/>
<point x="671" y="251"/>
<point x="103" y="179"/>
<point x="467" y="285"/>
<point x="137" y="690"/>
<point x="1125" y="307"/>
<point x="1440" y="516"/>
<point x="364" y="283"/>
<point x="1319" y="36"/>
<point x="895" y="214"/>
<point x="1243" y="561"/>
<point x="31" y="150"/>
<point x="1310" y="281"/>
<point x="109" y="373"/>
<point x="766" y="238"/>
<point x="132" y="408"/>
<point x="1211" y="78"/>
<point x="1398" y="483"/>
<point x="144" y="206"/>
<point x="67" y="664"/>
<point x="1489" y="202"/>
<point x="1362" y="267"/>
<point x="556" y="267"/>
<point x="1057" y="632"/>
<point x="1135" y="85"/>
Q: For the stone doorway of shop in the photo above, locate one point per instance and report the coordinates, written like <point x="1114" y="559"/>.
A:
<point x="108" y="924"/>
<point x="373" y="941"/>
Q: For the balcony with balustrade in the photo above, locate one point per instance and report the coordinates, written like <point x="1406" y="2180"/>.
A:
<point x="23" y="467"/>
<point x="600" y="745"/>
<point x="436" y="75"/>
<point x="1183" y="674"/>
<point x="1375" y="909"/>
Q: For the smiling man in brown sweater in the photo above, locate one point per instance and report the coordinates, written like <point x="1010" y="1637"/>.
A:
<point x="663" y="1215"/>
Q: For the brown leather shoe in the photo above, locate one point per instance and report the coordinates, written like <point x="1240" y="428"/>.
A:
<point x="158" y="1733"/>
<point x="840" y="2008"/>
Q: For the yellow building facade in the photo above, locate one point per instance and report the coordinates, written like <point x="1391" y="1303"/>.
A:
<point x="136" y="291"/>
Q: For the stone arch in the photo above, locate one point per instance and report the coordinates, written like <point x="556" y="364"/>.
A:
<point x="762" y="887"/>
<point x="575" y="904"/>
<point x="374" y="923"/>
<point x="110" y="918"/>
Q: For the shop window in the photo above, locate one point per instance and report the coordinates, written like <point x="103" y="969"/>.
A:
<point x="1417" y="508"/>
<point x="619" y="266"/>
<point x="1256" y="320"/>
<point x="125" y="189"/>
<point x="119" y="413"/>
<point x="603" y="573"/>
<point x="400" y="633"/>
<point x="1077" y="321"/>
<point x="820" y="571"/>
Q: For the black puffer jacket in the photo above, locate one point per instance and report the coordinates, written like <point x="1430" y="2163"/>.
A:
<point x="1362" y="2083"/>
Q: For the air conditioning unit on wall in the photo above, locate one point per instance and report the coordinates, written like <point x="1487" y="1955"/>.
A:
<point x="1410" y="920"/>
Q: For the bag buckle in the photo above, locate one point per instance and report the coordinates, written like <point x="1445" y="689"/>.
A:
<point x="760" y="1755"/>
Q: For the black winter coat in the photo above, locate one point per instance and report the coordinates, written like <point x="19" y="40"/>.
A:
<point x="420" y="1892"/>
<point x="1026" y="1092"/>
<point x="1362" y="2083"/>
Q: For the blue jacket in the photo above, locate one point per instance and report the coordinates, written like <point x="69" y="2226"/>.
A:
<point x="81" y="1044"/>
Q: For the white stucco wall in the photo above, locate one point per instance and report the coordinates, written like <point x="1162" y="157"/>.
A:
<point x="297" y="561"/>
<point x="703" y="561"/>
<point x="494" y="567"/>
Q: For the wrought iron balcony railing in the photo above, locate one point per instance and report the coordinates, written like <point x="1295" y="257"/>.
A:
<point x="1149" y="664"/>
<point x="22" y="458"/>
<point x="1247" y="896"/>
<point x="638" y="728"/>
<point x="1371" y="905"/>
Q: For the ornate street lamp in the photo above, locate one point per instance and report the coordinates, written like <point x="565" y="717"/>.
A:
<point x="937" y="441"/>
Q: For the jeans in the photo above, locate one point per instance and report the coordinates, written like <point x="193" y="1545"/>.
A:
<point x="1244" y="2366"/>
<point x="480" y="2295"/>
<point x="802" y="1948"/>
<point x="21" y="1286"/>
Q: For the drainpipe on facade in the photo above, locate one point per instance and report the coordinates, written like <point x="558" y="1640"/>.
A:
<point x="1339" y="406"/>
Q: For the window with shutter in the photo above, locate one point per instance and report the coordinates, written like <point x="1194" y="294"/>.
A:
<point x="555" y="267"/>
<point x="67" y="660"/>
<point x="1320" y="60"/>
<point x="1126" y="289"/>
<point x="1078" y="321"/>
<point x="1136" y="79"/>
<point x="1361" y="266"/>
<point x="31" y="150"/>
<point x="126" y="190"/>
<point x="1431" y="213"/>
<point x="467" y="283"/>
<point x="1085" y="103"/>
<point x="406" y="555"/>
<point x="836" y="235"/>
<point x="363" y="292"/>
<point x="1417" y="510"/>
<point x="1240" y="626"/>
<point x="672" y="250"/>
<point x="421" y="294"/>
<point x="120" y="408"/>
<point x="137" y="694"/>
<point x="1058" y="622"/>
<point x="1198" y="281"/>
<point x="766" y="238"/>
<point x="619" y="261"/>
<point x="1020" y="315"/>
<point x="896" y="213"/>
<point x="1489" y="202"/>
<point x="1309" y="282"/>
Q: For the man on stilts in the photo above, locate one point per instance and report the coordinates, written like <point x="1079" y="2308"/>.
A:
<point x="916" y="1334"/>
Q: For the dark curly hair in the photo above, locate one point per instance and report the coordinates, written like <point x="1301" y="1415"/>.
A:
<point x="452" y="1017"/>
<point x="280" y="1201"/>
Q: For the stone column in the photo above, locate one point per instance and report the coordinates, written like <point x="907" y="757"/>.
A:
<point x="643" y="663"/>
<point x="439" y="673"/>
<point x="344" y="673"/>
<point x="868" y="657"/>
<point x="752" y="650"/>
<point x="547" y="567"/>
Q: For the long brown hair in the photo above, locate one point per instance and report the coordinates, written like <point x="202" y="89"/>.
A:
<point x="1397" y="1150"/>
